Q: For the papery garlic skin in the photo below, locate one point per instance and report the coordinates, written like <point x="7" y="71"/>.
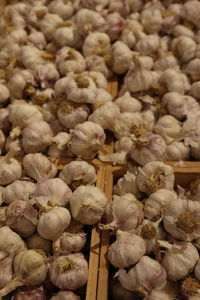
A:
<point x="114" y="22"/>
<point x="53" y="223"/>
<point x="38" y="39"/>
<point x="99" y="79"/>
<point x="177" y="151"/>
<point x="157" y="203"/>
<point x="165" y="62"/>
<point x="39" y="167"/>
<point x="97" y="43"/>
<point x="127" y="103"/>
<point x="4" y="93"/>
<point x="69" y="243"/>
<point x="6" y="271"/>
<point x="184" y="47"/>
<point x="191" y="11"/>
<point x="67" y="35"/>
<point x="154" y="176"/>
<point x="97" y="63"/>
<point x="151" y="19"/>
<point x="37" y="242"/>
<point x="126" y="250"/>
<point x="18" y="190"/>
<point x="121" y="57"/>
<point x="175" y="104"/>
<point x="158" y="295"/>
<point x="49" y="24"/>
<point x="175" y="81"/>
<point x="36" y="293"/>
<point x="59" y="146"/>
<point x="87" y="204"/>
<point x="76" y="171"/>
<point x="73" y="276"/>
<point x="118" y="292"/>
<point x="64" y="295"/>
<point x="86" y="139"/>
<point x="16" y="143"/>
<point x="177" y="259"/>
<point x="36" y="137"/>
<point x="181" y="30"/>
<point x="46" y="75"/>
<point x="63" y="9"/>
<point x="181" y="220"/>
<point x="144" y="277"/>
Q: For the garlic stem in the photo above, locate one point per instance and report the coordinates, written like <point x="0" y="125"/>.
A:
<point x="15" y="283"/>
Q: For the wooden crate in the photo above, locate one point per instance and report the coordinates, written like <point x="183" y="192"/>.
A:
<point x="183" y="177"/>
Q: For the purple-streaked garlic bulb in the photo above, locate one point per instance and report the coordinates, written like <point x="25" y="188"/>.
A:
<point x="181" y="219"/>
<point x="36" y="137"/>
<point x="78" y="173"/>
<point x="46" y="75"/>
<point x="127" y="103"/>
<point x="145" y="276"/>
<point x="18" y="190"/>
<point x="148" y="147"/>
<point x="178" y="259"/>
<point x="65" y="295"/>
<point x="115" y="24"/>
<point x="69" y="272"/>
<point x="39" y="167"/>
<point x="156" y="204"/>
<point x="35" y="241"/>
<point x="53" y="223"/>
<point x="21" y="217"/>
<point x="88" y="204"/>
<point x="126" y="250"/>
<point x="124" y="213"/>
<point x="59" y="145"/>
<point x="154" y="176"/>
<point x="70" y="114"/>
<point x="10" y="168"/>
<point x="55" y="190"/>
<point x="86" y="139"/>
<point x="32" y="294"/>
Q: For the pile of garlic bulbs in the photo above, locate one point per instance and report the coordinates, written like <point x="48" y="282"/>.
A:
<point x="155" y="229"/>
<point x="44" y="218"/>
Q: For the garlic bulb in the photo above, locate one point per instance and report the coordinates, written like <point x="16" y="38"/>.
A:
<point x="4" y="93"/>
<point x="121" y="57"/>
<point x="70" y="114"/>
<point x="106" y="115"/>
<point x="78" y="173"/>
<point x="126" y="250"/>
<point x="86" y="139"/>
<point x="154" y="176"/>
<point x="39" y="167"/>
<point x="36" y="137"/>
<point x="190" y="12"/>
<point x="148" y="45"/>
<point x="169" y="128"/>
<point x="176" y="105"/>
<point x="20" y="115"/>
<point x="115" y="24"/>
<point x="10" y="243"/>
<point x="151" y="19"/>
<point x="177" y="151"/>
<point x="14" y="143"/>
<point x="21" y="217"/>
<point x="120" y="212"/>
<point x="69" y="60"/>
<point x="119" y="6"/>
<point x="37" y="38"/>
<point x="10" y="168"/>
<point x="97" y="63"/>
<point x="192" y="69"/>
<point x="118" y="292"/>
<point x="175" y="81"/>
<point x="157" y="203"/>
<point x="165" y="62"/>
<point x="128" y="35"/>
<point x="37" y="242"/>
<point x="89" y="21"/>
<point x="49" y="24"/>
<point x="158" y="295"/>
<point x="67" y="35"/>
<point x="53" y="223"/>
<point x="18" y="190"/>
<point x="30" y="269"/>
<point x="145" y="276"/>
<point x="99" y="79"/>
<point x="181" y="220"/>
<point x="177" y="259"/>
<point x="69" y="272"/>
<point x="127" y="103"/>
<point x="59" y="146"/>
<point x="64" y="295"/>
<point x="6" y="271"/>
<point x="148" y="147"/>
<point x="182" y="30"/>
<point x="102" y="96"/>
<point x="96" y="43"/>
<point x="184" y="47"/>
<point x="87" y="204"/>
<point x="5" y="126"/>
<point x="197" y="270"/>
<point x="36" y="293"/>
<point x="127" y="185"/>
<point x="46" y="75"/>
<point x="195" y="89"/>
<point x="69" y="242"/>
<point x="139" y="79"/>
<point x="55" y="190"/>
<point x="62" y="8"/>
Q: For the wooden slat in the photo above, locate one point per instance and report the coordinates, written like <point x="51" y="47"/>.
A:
<point x="95" y="247"/>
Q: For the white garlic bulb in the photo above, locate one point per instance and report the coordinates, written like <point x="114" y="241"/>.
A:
<point x="184" y="47"/>
<point x="158" y="295"/>
<point x="192" y="69"/>
<point x="126" y="124"/>
<point x="64" y="268"/>
<point x="126" y="185"/>
<point x="69" y="60"/>
<point x="154" y="176"/>
<point x="62" y="8"/>
<point x="4" y="93"/>
<point x="86" y="139"/>
<point x="156" y="204"/>
<point x="6" y="271"/>
<point x="49" y="24"/>
<point x="175" y="104"/>
<point x="148" y="45"/>
<point x="65" y="295"/>
<point x="195" y="89"/>
<point x="190" y="12"/>
<point x="96" y="43"/>
<point x="87" y="204"/>
<point x="97" y="63"/>
<point x="37" y="38"/>
<point x="46" y="75"/>
<point x="165" y="62"/>
<point x="53" y="223"/>
<point x="18" y="190"/>
<point x="177" y="259"/>
<point x="175" y="81"/>
<point x="146" y="275"/>
<point x="120" y="212"/>
<point x="36" y="137"/>
<point x="17" y="143"/>
<point x="59" y="146"/>
<point x="99" y="79"/>
<point x="67" y="35"/>
<point x="182" y="30"/>
<point x="127" y="103"/>
<point x="177" y="151"/>
<point x="121" y="57"/>
<point x="35" y="241"/>
<point x="115" y="23"/>
<point x="39" y="167"/>
<point x="57" y="192"/>
<point x="151" y="19"/>
<point x="126" y="250"/>
<point x="181" y="220"/>
<point x="78" y="173"/>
